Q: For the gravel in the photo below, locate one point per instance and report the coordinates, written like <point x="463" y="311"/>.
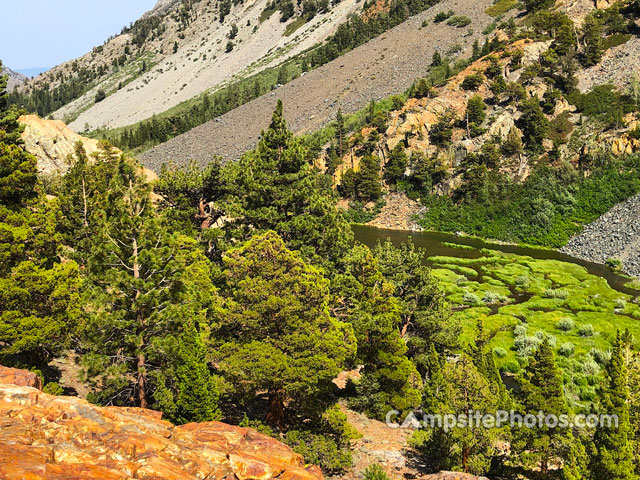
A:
<point x="384" y="66"/>
<point x="614" y="235"/>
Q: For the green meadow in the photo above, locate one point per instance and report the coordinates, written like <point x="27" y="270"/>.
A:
<point x="519" y="300"/>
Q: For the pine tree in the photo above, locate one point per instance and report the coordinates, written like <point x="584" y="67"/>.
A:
<point x="365" y="299"/>
<point x="542" y="390"/>
<point x="38" y="293"/>
<point x="369" y="182"/>
<point x="340" y="133"/>
<point x="612" y="455"/>
<point x="592" y="32"/>
<point x="282" y="192"/>
<point x="197" y="398"/>
<point x="276" y="334"/>
<point x="143" y="284"/>
<point x="425" y="319"/>
<point x="396" y="166"/>
<point x="283" y="75"/>
<point x="533" y="123"/>
<point x="462" y="389"/>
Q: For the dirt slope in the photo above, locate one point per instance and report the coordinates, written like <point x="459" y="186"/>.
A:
<point x="384" y="66"/>
<point x="201" y="62"/>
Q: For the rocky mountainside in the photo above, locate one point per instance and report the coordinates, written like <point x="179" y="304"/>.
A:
<point x="384" y="66"/>
<point x="615" y="235"/>
<point x="15" y="79"/>
<point x="177" y="51"/>
<point x="47" y="437"/>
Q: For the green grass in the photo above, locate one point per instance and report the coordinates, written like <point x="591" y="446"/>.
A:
<point x="501" y="7"/>
<point x="635" y="284"/>
<point x="266" y="14"/>
<point x="295" y="25"/>
<point x="537" y="295"/>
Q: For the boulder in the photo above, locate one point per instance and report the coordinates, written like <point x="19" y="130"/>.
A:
<point x="48" y="437"/>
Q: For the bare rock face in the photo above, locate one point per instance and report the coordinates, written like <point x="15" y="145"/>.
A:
<point x="15" y="79"/>
<point x="51" y="142"/>
<point x="48" y="437"/>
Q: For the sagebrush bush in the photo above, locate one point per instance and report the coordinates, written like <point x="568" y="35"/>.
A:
<point x="565" y="324"/>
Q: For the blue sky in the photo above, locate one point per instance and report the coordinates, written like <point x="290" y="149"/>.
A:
<point x="45" y="33"/>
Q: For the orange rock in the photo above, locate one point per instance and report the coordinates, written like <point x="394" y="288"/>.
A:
<point x="47" y="437"/>
<point x="13" y="376"/>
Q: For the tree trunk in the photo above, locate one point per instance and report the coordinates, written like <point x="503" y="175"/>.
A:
<point x="142" y="382"/>
<point x="465" y="459"/>
<point x="275" y="415"/>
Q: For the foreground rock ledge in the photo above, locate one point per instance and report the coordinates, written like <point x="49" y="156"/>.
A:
<point x="48" y="437"/>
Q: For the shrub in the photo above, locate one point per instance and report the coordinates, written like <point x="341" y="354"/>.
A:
<point x="556" y="293"/>
<point x="375" y="472"/>
<point x="319" y="450"/>
<point x="493" y="298"/>
<point x="459" y="21"/>
<point x="565" y="324"/>
<point x="442" y="16"/>
<point x="620" y="303"/>
<point x="473" y="81"/>
<point x="100" y="95"/>
<point x="470" y="299"/>
<point x="520" y="330"/>
<point x="602" y="357"/>
<point x="590" y="367"/>
<point x="53" y="388"/>
<point x="586" y="330"/>
<point x="522" y="281"/>
<point x="587" y="393"/>
<point x="566" y="349"/>
<point x="510" y="367"/>
<point x="499" y="352"/>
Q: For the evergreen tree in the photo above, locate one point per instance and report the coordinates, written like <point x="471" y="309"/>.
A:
<point x="475" y="115"/>
<point x="542" y="390"/>
<point x="462" y="389"/>
<point x="369" y="182"/>
<point x="396" y="166"/>
<point x="143" y="285"/>
<point x="365" y="299"/>
<point x="282" y="192"/>
<point x="612" y="457"/>
<point x="533" y="123"/>
<point x="592" y="32"/>
<point x="38" y="293"/>
<point x="283" y="75"/>
<point x="425" y="318"/>
<point x="276" y="334"/>
<point x="197" y="397"/>
<point x="341" y="134"/>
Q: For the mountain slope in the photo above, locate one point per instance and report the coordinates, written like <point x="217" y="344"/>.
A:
<point x="176" y="52"/>
<point x="15" y="79"/>
<point x="384" y="66"/>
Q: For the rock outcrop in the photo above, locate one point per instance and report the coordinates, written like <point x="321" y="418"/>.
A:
<point x="48" y="437"/>
<point x="23" y="378"/>
<point x="52" y="141"/>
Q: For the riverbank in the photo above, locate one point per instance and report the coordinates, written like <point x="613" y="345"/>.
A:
<point x="614" y="236"/>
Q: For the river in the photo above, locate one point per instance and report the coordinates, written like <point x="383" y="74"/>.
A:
<point x="432" y="242"/>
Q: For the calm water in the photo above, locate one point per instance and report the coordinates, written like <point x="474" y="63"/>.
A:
<point x="432" y="242"/>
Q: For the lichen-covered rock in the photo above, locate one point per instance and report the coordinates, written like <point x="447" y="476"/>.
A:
<point x="48" y="437"/>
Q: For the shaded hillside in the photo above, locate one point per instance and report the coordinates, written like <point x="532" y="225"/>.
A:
<point x="384" y="66"/>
